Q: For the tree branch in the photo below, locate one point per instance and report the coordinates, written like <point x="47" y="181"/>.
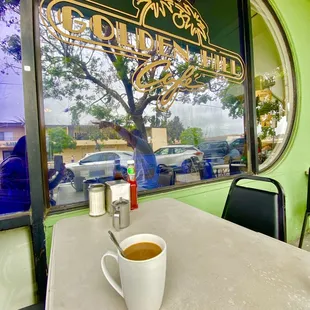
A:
<point x="143" y="103"/>
<point x="124" y="79"/>
<point x="110" y="91"/>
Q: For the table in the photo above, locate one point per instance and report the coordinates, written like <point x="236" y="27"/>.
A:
<point x="66" y="194"/>
<point x="212" y="263"/>
<point x="223" y="167"/>
<point x="226" y="168"/>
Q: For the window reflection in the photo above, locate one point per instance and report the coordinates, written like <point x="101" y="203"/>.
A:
<point x="273" y="84"/>
<point x="176" y="133"/>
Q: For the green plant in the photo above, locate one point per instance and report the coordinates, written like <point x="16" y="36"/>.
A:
<point x="60" y="140"/>
<point x="192" y="136"/>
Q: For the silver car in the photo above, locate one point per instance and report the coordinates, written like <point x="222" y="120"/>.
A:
<point x="97" y="165"/>
<point x="176" y="155"/>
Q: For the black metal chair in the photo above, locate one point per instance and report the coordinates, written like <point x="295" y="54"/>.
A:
<point x="255" y="209"/>
<point x="233" y="170"/>
<point x="307" y="213"/>
<point x="166" y="175"/>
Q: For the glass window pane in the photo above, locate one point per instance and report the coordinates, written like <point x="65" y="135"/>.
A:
<point x="178" y="150"/>
<point x="273" y="84"/>
<point x="163" y="84"/>
<point x="163" y="151"/>
<point x="14" y="176"/>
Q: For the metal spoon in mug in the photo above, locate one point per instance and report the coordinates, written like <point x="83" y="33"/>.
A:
<point x="116" y="243"/>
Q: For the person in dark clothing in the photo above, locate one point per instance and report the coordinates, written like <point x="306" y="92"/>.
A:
<point x="145" y="160"/>
<point x="14" y="169"/>
<point x="14" y="181"/>
<point x="14" y="173"/>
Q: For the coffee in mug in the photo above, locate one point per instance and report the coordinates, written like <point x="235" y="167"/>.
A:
<point x="142" y="251"/>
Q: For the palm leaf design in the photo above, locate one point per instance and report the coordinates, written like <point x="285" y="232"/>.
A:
<point x="158" y="6"/>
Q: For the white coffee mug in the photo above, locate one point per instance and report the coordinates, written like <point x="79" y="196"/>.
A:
<point x="143" y="282"/>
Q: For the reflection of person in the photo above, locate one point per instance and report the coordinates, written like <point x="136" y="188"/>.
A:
<point x="145" y="160"/>
<point x="234" y="154"/>
<point x="14" y="170"/>
<point x="53" y="180"/>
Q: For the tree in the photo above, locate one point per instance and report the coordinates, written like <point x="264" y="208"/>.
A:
<point x="60" y="140"/>
<point x="192" y="136"/>
<point x="267" y="104"/>
<point x="159" y="119"/>
<point x="100" y="82"/>
<point x="97" y="80"/>
<point x="174" y="130"/>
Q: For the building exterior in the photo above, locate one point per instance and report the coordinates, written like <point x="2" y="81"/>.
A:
<point x="9" y="135"/>
<point x="89" y="139"/>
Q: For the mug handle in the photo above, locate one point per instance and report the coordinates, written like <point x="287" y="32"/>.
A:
<point x="107" y="274"/>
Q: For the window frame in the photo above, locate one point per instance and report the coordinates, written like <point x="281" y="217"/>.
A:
<point x="32" y="87"/>
<point x="288" y="51"/>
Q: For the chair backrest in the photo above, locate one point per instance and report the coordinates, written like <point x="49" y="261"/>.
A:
<point x="255" y="209"/>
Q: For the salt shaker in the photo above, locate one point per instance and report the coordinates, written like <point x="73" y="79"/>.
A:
<point x="121" y="213"/>
<point x="96" y="199"/>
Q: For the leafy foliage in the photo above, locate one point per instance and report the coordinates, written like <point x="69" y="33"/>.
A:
<point x="192" y="136"/>
<point x="60" y="140"/>
<point x="174" y="130"/>
<point x="267" y="132"/>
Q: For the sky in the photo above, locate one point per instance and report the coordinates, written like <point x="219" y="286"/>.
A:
<point x="11" y="85"/>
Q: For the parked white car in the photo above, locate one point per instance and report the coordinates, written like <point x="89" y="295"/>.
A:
<point x="97" y="165"/>
<point x="175" y="155"/>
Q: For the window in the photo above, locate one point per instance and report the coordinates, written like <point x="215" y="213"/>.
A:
<point x="155" y="88"/>
<point x="6" y="136"/>
<point x="14" y="176"/>
<point x="178" y="150"/>
<point x="274" y="84"/>
<point x="93" y="158"/>
<point x="99" y="67"/>
<point x="164" y="151"/>
<point x="6" y="154"/>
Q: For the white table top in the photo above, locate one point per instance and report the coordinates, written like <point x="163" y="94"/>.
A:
<point x="212" y="263"/>
<point x="221" y="166"/>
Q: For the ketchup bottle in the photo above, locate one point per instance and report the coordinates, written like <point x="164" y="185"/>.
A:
<point x="133" y="184"/>
<point x="133" y="195"/>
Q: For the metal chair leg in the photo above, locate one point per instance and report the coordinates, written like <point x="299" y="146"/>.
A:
<point x="303" y="230"/>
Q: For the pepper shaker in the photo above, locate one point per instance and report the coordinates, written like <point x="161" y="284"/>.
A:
<point x="121" y="213"/>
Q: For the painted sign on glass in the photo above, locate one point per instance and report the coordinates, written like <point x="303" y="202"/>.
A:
<point x="169" y="41"/>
